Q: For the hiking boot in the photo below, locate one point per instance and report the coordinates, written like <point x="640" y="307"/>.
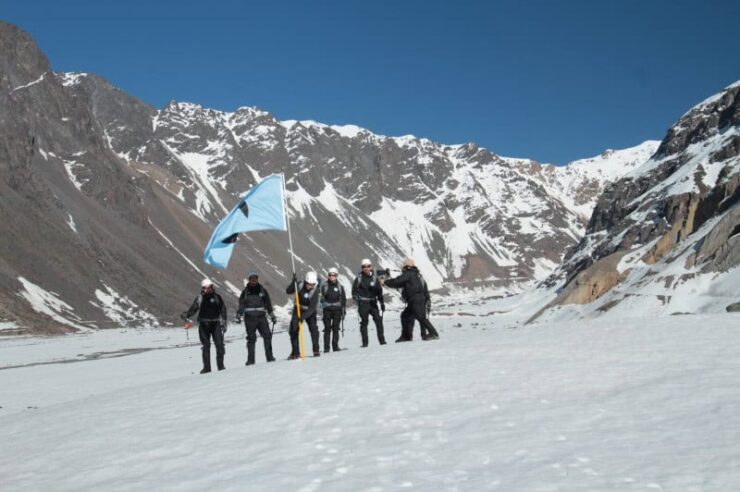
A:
<point x="249" y="363"/>
<point x="205" y="371"/>
<point x="293" y="357"/>
<point x="403" y="339"/>
<point x="336" y="349"/>
<point x="383" y="342"/>
<point x="317" y="353"/>
<point x="271" y="359"/>
<point x="433" y="337"/>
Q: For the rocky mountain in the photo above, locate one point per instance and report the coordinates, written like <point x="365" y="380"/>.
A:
<point x="664" y="238"/>
<point x="107" y="203"/>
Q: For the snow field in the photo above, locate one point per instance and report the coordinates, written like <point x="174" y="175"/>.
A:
<point x="632" y="405"/>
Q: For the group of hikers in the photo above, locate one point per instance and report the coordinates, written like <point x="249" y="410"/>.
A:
<point x="255" y="307"/>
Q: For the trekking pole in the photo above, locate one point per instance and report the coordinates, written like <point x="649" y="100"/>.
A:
<point x="188" y="325"/>
<point x="272" y="330"/>
<point x="342" y="326"/>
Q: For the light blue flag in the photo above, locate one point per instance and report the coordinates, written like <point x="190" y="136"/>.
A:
<point x="259" y="210"/>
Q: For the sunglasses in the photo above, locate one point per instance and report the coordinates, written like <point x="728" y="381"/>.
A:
<point x="367" y="266"/>
<point x="332" y="274"/>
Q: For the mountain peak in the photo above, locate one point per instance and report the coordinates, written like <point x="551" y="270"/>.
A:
<point x="21" y="60"/>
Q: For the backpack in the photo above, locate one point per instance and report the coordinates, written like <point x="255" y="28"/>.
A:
<point x="325" y="287"/>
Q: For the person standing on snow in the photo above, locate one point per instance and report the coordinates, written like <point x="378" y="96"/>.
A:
<point x="334" y="305"/>
<point x="309" y="302"/>
<point x="211" y="323"/>
<point x="418" y="303"/>
<point x="255" y="306"/>
<point x="367" y="293"/>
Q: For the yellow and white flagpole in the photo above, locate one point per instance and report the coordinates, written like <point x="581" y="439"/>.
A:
<point x="292" y="260"/>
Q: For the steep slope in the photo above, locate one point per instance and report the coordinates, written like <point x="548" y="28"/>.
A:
<point x="76" y="240"/>
<point x="666" y="237"/>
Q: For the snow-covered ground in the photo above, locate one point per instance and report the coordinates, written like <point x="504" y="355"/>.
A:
<point x="634" y="404"/>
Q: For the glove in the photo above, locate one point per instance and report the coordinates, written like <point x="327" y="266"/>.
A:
<point x="382" y="307"/>
<point x="237" y="319"/>
<point x="184" y="315"/>
<point x="344" y="312"/>
<point x="295" y="278"/>
<point x="429" y="307"/>
<point x="273" y="318"/>
<point x="224" y="326"/>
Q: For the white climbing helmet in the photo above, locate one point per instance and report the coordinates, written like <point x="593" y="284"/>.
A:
<point x="311" y="278"/>
<point x="333" y="271"/>
<point x="366" y="261"/>
<point x="206" y="283"/>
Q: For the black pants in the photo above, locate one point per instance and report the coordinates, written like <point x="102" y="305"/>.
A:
<point x="370" y="308"/>
<point x="253" y="325"/>
<point x="416" y="310"/>
<point x="206" y="330"/>
<point x="313" y="327"/>
<point x="332" y="322"/>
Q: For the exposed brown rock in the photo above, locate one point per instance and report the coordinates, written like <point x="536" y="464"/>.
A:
<point x="593" y="282"/>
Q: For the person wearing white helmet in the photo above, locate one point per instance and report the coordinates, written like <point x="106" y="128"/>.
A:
<point x="309" y="303"/>
<point x="255" y="305"/>
<point x="333" y="302"/>
<point x="368" y="293"/>
<point x="211" y="323"/>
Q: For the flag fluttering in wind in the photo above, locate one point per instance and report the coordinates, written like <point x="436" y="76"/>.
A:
<point x="261" y="209"/>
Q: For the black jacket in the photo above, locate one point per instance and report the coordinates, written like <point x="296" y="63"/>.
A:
<point x="308" y="298"/>
<point x="210" y="307"/>
<point x="333" y="297"/>
<point x="254" y="300"/>
<point x="367" y="289"/>
<point x="412" y="285"/>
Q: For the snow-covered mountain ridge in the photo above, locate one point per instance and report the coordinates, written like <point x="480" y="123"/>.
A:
<point x="446" y="205"/>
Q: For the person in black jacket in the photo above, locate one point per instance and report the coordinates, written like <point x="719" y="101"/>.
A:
<point x="367" y="293"/>
<point x="334" y="306"/>
<point x="255" y="306"/>
<point x="418" y="303"/>
<point x="212" y="323"/>
<point x="309" y="303"/>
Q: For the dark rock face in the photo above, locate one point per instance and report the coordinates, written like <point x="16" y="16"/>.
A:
<point x="107" y="203"/>
<point x="686" y="196"/>
<point x="75" y="218"/>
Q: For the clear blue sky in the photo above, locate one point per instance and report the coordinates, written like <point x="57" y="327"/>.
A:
<point x="548" y="80"/>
